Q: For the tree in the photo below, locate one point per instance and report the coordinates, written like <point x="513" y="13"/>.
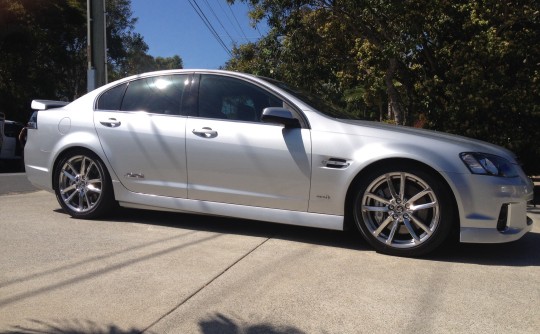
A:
<point x="468" y="67"/>
<point x="43" y="50"/>
<point x="39" y="43"/>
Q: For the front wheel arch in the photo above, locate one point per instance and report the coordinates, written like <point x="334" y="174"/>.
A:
<point x="350" y="223"/>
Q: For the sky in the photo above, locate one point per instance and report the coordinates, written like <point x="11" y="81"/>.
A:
<point x="173" y="27"/>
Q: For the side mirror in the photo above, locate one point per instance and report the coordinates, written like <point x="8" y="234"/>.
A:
<point x="280" y="116"/>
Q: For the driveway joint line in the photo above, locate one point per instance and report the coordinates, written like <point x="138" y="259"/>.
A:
<point x="196" y="292"/>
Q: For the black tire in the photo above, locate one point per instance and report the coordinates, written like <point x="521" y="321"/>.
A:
<point x="83" y="186"/>
<point x="403" y="210"/>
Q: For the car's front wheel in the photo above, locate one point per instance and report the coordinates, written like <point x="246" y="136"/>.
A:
<point x="82" y="185"/>
<point x="403" y="210"/>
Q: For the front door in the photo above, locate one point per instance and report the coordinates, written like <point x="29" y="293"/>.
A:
<point x="234" y="158"/>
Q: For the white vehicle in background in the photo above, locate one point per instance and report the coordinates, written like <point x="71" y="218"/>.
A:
<point x="10" y="148"/>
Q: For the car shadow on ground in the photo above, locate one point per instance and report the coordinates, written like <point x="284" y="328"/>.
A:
<point x="523" y="252"/>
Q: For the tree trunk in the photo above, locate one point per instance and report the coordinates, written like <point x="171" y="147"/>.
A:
<point x="395" y="109"/>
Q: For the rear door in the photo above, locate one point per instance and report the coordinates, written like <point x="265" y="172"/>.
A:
<point x="142" y="131"/>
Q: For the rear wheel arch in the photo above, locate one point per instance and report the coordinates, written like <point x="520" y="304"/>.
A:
<point x="72" y="150"/>
<point x="104" y="199"/>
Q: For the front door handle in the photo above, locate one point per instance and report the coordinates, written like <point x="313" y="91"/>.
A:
<point x="205" y="132"/>
<point x="111" y="123"/>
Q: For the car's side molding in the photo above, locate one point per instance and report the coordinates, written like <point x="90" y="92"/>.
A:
<point x="130" y="199"/>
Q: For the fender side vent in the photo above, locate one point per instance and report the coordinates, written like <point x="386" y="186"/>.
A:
<point x="336" y="163"/>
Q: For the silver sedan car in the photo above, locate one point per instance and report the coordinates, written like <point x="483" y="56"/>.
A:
<point x="237" y="145"/>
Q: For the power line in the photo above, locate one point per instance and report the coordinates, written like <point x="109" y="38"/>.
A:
<point x="229" y="18"/>
<point x="219" y="21"/>
<point x="208" y="24"/>
<point x="239" y="26"/>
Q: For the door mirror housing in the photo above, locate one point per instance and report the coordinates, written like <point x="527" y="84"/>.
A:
<point x="280" y="116"/>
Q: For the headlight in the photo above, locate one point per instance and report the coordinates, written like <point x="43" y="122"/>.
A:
<point x="488" y="164"/>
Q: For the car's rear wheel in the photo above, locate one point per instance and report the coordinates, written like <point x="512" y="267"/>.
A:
<point x="403" y="210"/>
<point x="83" y="187"/>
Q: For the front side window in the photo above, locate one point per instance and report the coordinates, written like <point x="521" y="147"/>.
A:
<point x="159" y="95"/>
<point x="229" y="98"/>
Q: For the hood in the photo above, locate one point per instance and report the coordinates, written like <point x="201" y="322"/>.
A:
<point x="389" y="131"/>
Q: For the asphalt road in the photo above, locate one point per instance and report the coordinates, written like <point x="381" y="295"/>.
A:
<point x="143" y="271"/>
<point x="15" y="183"/>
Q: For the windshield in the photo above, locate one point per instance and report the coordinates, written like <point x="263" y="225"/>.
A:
<point x="313" y="100"/>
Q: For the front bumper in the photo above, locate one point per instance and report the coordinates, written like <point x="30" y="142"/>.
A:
<point x="516" y="224"/>
<point x="492" y="209"/>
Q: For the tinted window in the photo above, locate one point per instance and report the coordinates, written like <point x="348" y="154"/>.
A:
<point x="161" y="95"/>
<point x="111" y="99"/>
<point x="12" y="129"/>
<point x="229" y="98"/>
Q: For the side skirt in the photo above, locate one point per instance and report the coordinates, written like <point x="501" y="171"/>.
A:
<point x="161" y="203"/>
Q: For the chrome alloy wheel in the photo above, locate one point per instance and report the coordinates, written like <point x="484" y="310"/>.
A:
<point x="80" y="183"/>
<point x="400" y="210"/>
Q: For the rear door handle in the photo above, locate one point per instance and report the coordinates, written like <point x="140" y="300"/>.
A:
<point x="111" y="123"/>
<point x="205" y="132"/>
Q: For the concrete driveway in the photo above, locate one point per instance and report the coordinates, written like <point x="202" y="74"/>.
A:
<point x="143" y="271"/>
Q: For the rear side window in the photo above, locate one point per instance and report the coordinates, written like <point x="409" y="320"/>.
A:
<point x="112" y="99"/>
<point x="160" y="95"/>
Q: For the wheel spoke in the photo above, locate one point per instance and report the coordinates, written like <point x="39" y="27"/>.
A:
<point x="419" y="195"/>
<point x="93" y="189"/>
<point x="70" y="197"/>
<point x="375" y="208"/>
<point x="68" y="175"/>
<point x="71" y="167"/>
<point x="383" y="225"/>
<point x="86" y="199"/>
<point x="411" y="230"/>
<point x="421" y="225"/>
<point x="68" y="189"/>
<point x="89" y="168"/>
<point x="392" y="232"/>
<point x="378" y="198"/>
<point x="391" y="186"/>
<point x="402" y="186"/>
<point x="422" y="206"/>
<point x="81" y="201"/>
<point x="83" y="166"/>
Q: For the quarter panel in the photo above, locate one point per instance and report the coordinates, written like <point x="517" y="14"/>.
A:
<point x="329" y="185"/>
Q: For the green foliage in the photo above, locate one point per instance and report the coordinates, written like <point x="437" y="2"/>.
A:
<point x="36" y="39"/>
<point x="465" y="67"/>
<point x="43" y="51"/>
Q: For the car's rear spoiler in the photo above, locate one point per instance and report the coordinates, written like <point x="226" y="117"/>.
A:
<point x="47" y="104"/>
